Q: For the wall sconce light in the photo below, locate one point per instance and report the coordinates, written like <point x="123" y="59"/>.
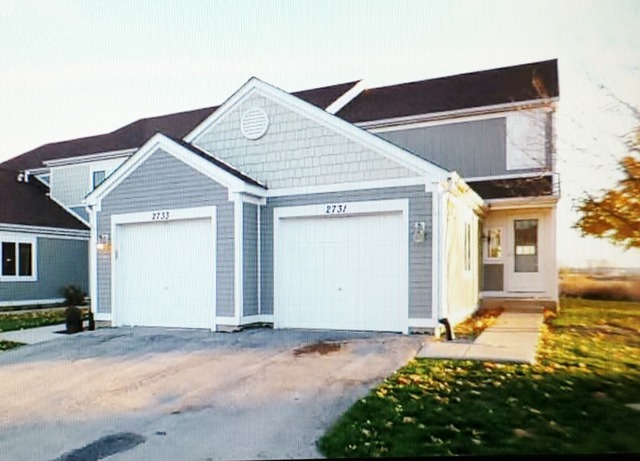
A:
<point x="418" y="232"/>
<point x="104" y="243"/>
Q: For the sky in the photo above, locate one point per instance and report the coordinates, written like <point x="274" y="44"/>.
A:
<point x="71" y="68"/>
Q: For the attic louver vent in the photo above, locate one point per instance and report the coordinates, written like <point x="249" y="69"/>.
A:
<point x="254" y="124"/>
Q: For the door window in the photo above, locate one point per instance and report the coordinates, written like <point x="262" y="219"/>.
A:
<point x="525" y="245"/>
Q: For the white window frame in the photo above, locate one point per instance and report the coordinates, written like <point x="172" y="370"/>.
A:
<point x="8" y="238"/>
<point x="486" y="244"/>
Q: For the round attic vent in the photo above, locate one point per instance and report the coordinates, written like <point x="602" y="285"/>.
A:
<point x="254" y="124"/>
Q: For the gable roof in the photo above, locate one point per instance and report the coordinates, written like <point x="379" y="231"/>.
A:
<point x="527" y="82"/>
<point x="375" y="143"/>
<point x="217" y="162"/>
<point x="27" y="204"/>
<point x="222" y="173"/>
<point x="135" y="134"/>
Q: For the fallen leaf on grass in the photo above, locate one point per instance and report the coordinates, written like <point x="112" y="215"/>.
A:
<point x="521" y="433"/>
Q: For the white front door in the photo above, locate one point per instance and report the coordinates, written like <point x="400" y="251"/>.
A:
<point x="526" y="245"/>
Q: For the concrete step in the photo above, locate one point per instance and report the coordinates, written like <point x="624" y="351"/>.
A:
<point x="518" y="304"/>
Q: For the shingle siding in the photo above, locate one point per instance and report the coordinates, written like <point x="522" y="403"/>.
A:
<point x="162" y="183"/>
<point x="295" y="151"/>
<point x="420" y="254"/>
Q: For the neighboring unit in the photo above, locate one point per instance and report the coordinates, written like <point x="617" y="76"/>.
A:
<point x="43" y="247"/>
<point x="334" y="208"/>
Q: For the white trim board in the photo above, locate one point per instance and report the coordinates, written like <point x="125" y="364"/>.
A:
<point x="351" y="186"/>
<point x="346" y="98"/>
<point x="68" y="210"/>
<point x="346" y="129"/>
<point x="89" y="158"/>
<point x="31" y="302"/>
<point x="48" y="232"/>
<point x="521" y="202"/>
<point x="454" y="116"/>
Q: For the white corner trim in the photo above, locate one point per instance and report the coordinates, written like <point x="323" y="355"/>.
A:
<point x="259" y="249"/>
<point x="454" y="116"/>
<point x="346" y="129"/>
<point x="160" y="141"/>
<point x="346" y="98"/>
<point x="90" y="157"/>
<point x="31" y="302"/>
<point x="540" y="174"/>
<point x="93" y="264"/>
<point x="435" y="253"/>
<point x="238" y="242"/>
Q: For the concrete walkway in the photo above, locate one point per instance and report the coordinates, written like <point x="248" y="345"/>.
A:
<point x="513" y="338"/>
<point x="34" y="335"/>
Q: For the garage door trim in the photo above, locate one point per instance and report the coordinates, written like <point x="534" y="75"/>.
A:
<point x="337" y="210"/>
<point x="159" y="216"/>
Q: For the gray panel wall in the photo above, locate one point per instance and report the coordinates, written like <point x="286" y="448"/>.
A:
<point x="60" y="262"/>
<point x="476" y="148"/>
<point x="164" y="183"/>
<point x="419" y="253"/>
<point x="250" y="259"/>
<point x="493" y="277"/>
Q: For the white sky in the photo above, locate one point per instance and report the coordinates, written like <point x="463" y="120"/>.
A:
<point x="72" y="68"/>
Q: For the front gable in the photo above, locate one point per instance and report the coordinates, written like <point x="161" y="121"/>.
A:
<point x="301" y="144"/>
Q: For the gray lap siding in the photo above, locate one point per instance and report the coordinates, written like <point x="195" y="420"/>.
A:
<point x="60" y="262"/>
<point x="163" y="183"/>
<point x="420" y="254"/>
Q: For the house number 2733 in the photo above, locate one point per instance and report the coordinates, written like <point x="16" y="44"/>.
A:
<point x="336" y="209"/>
<point x="160" y="216"/>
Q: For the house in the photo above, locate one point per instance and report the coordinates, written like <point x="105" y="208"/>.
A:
<point x="43" y="247"/>
<point x="341" y="207"/>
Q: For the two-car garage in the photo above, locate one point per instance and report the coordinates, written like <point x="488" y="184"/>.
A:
<point x="338" y="266"/>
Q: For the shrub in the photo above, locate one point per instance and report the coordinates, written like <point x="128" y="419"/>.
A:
<point x="73" y="296"/>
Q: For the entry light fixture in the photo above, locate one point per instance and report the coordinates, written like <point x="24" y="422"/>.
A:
<point x="104" y="243"/>
<point x="418" y="232"/>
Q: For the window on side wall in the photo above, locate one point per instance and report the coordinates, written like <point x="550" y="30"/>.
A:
<point x="97" y="177"/>
<point x="18" y="259"/>
<point x="467" y="247"/>
<point x="493" y="245"/>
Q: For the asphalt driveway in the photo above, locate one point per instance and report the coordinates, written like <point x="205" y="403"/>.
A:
<point x="144" y="393"/>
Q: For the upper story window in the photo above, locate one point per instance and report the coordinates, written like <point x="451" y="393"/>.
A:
<point x="97" y="177"/>
<point x="18" y="259"/>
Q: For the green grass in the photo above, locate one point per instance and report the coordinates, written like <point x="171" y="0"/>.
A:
<point x="22" y="320"/>
<point x="572" y="401"/>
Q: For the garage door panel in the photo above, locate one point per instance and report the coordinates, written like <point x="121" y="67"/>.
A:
<point x="165" y="274"/>
<point x="340" y="273"/>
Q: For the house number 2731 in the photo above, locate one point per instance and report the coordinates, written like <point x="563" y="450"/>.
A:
<point x="160" y="216"/>
<point x="336" y="209"/>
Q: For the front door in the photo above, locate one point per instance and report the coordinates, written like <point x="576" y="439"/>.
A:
<point x="524" y="262"/>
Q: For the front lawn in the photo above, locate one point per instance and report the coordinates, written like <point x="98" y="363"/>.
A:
<point x="572" y="401"/>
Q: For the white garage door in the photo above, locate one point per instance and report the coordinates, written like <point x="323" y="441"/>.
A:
<point x="341" y="272"/>
<point x="165" y="274"/>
